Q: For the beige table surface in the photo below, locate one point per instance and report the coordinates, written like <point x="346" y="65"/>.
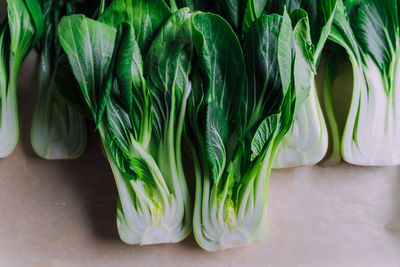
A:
<point x="62" y="213"/>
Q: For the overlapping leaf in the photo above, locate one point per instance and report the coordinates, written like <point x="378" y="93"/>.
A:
<point x="223" y="70"/>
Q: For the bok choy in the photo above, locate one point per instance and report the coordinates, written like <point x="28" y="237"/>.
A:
<point x="58" y="131"/>
<point x="19" y="33"/>
<point x="369" y="32"/>
<point x="138" y="107"/>
<point x="307" y="140"/>
<point x="236" y="123"/>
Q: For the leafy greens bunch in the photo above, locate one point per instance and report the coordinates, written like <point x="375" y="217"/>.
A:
<point x="369" y="32"/>
<point x="19" y="33"/>
<point x="242" y="105"/>
<point x="131" y="66"/>
<point x="58" y="131"/>
<point x="307" y="140"/>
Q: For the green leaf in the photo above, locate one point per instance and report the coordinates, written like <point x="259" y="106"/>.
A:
<point x="342" y="32"/>
<point x="4" y="55"/>
<point x="167" y="67"/>
<point x="142" y="172"/>
<point x="119" y="156"/>
<point x="216" y="138"/>
<point x="264" y="135"/>
<point x="146" y="17"/>
<point x="120" y="104"/>
<point x="222" y="66"/>
<point x="37" y="17"/>
<point x="377" y="26"/>
<point x="233" y="10"/>
<point x="320" y="13"/>
<point x="89" y="46"/>
<point x="68" y="88"/>
<point x="254" y="9"/>
<point x="261" y="51"/>
<point x="123" y="69"/>
<point x="304" y="68"/>
<point x="118" y="125"/>
<point x="270" y="59"/>
<point x="285" y="58"/>
<point x="22" y="32"/>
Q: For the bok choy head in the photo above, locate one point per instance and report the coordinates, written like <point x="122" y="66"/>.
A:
<point x="238" y="123"/>
<point x="20" y="31"/>
<point x="58" y="131"/>
<point x="136" y="91"/>
<point x="307" y="140"/>
<point x="369" y="32"/>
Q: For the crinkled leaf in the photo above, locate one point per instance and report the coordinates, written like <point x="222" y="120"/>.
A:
<point x="263" y="135"/>
<point x="216" y="138"/>
<point x="222" y="65"/>
<point x="118" y="125"/>
<point x="142" y="172"/>
<point x="119" y="156"/>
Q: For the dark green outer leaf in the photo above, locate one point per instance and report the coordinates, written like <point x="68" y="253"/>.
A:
<point x="377" y="26"/>
<point x="89" y="46"/>
<point x="125" y="106"/>
<point x="119" y="105"/>
<point x="260" y="46"/>
<point x="223" y="68"/>
<point x="68" y="88"/>
<point x="146" y="17"/>
<point x="125" y="46"/>
<point x="269" y="54"/>
<point x="233" y="10"/>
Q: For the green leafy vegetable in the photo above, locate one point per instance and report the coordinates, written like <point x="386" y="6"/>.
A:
<point x="236" y="123"/>
<point x="139" y="109"/>
<point x="20" y="32"/>
<point x="307" y="140"/>
<point x="369" y="32"/>
<point x="58" y="131"/>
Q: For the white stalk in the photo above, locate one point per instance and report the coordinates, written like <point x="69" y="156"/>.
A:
<point x="306" y="143"/>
